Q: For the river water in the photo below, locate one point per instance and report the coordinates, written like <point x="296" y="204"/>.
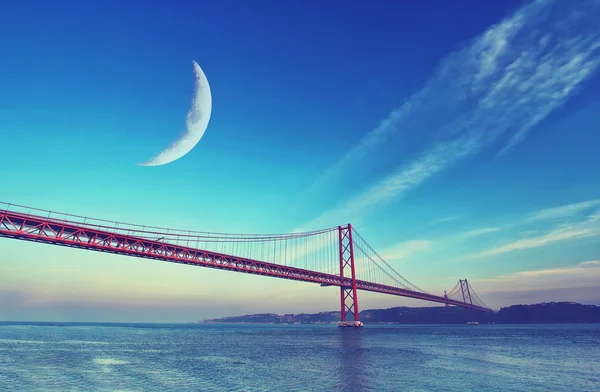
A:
<point x="138" y="357"/>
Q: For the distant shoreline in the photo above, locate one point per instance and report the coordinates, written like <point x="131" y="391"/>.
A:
<point x="542" y="313"/>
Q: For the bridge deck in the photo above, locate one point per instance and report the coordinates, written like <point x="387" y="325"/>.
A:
<point x="79" y="235"/>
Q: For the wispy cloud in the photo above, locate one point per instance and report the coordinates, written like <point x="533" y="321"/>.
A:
<point x="584" y="274"/>
<point x="406" y="178"/>
<point x="445" y="220"/>
<point x="406" y="249"/>
<point x="504" y="82"/>
<point x="590" y="263"/>
<point x="582" y="229"/>
<point x="536" y="242"/>
<point x="564" y="211"/>
<point x="482" y="231"/>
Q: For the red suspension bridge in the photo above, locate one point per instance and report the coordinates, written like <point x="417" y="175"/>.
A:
<point x="337" y="256"/>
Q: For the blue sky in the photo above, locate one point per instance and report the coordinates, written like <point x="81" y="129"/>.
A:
<point x="461" y="139"/>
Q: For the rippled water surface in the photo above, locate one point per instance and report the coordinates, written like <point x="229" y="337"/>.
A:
<point x="79" y="357"/>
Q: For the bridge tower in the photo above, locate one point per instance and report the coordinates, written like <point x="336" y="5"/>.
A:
<point x="466" y="294"/>
<point x="348" y="296"/>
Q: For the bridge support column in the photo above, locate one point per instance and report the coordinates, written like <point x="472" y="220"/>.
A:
<point x="466" y="293"/>
<point x="348" y="296"/>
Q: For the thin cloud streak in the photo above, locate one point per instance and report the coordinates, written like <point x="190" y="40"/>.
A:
<point x="587" y="228"/>
<point x="583" y="274"/>
<point x="445" y="220"/>
<point x="536" y="242"/>
<point x="478" y="232"/>
<point x="504" y="83"/>
<point x="564" y="211"/>
<point x="406" y="249"/>
<point x="592" y="263"/>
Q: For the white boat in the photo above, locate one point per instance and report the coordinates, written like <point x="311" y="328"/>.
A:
<point x="472" y="323"/>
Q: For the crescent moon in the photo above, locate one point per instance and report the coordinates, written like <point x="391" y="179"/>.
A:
<point x="197" y="121"/>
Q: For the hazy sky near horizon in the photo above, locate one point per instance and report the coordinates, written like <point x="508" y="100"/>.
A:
<point x="461" y="138"/>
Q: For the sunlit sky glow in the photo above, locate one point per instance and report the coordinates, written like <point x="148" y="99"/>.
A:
<point x="461" y="139"/>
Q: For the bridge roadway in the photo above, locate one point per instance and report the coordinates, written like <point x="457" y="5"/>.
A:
<point x="77" y="235"/>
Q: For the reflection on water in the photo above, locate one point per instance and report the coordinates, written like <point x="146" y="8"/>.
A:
<point x="351" y="360"/>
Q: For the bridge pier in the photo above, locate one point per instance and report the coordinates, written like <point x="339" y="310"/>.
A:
<point x="348" y="296"/>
